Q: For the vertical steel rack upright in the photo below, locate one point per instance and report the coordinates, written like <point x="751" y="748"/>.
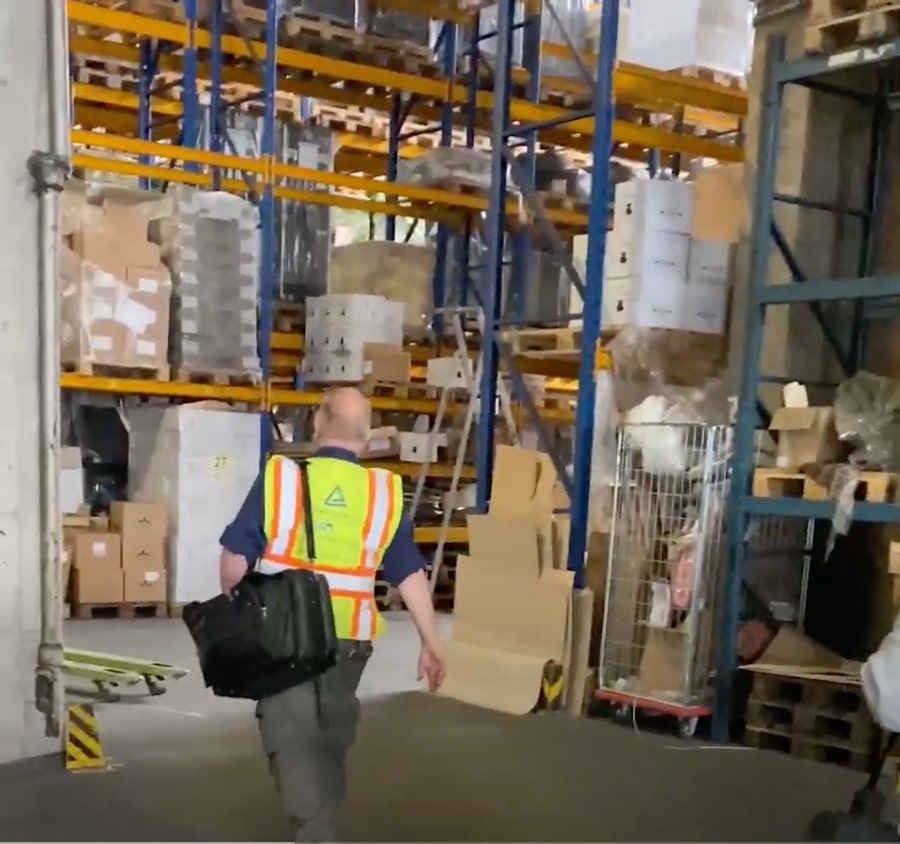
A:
<point x="822" y="74"/>
<point x="190" y="135"/>
<point x="491" y="291"/>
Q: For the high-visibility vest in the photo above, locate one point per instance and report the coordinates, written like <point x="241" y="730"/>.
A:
<point x="355" y="514"/>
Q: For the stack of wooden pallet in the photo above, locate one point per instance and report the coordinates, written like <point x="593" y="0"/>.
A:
<point x="838" y="24"/>
<point x="813" y="714"/>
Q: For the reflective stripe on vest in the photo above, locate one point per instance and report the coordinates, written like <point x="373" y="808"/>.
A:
<point x="353" y="543"/>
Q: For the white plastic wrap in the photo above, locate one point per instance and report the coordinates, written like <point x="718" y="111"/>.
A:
<point x="865" y="406"/>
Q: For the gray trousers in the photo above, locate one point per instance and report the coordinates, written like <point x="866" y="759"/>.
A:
<point x="306" y="732"/>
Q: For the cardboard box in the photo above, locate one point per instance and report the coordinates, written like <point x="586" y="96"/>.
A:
<point x="805" y="435"/>
<point x="655" y="205"/>
<point x="144" y="585"/>
<point x="98" y="585"/>
<point x="97" y="551"/>
<point x="635" y="253"/>
<point x="143" y="530"/>
<point x="386" y="364"/>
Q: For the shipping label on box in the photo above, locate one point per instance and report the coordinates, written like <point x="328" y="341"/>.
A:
<point x="145" y="586"/>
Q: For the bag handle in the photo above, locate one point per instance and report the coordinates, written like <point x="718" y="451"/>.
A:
<point x="307" y="511"/>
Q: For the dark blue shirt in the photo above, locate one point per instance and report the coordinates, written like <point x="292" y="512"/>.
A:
<point x="246" y="534"/>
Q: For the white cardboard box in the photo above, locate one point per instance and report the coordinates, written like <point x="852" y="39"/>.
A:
<point x="633" y="254"/>
<point x="414" y="447"/>
<point x="705" y="308"/>
<point x="708" y="261"/>
<point x="644" y="303"/>
<point x="654" y="205"/>
<point x="200" y="459"/>
<point x="448" y="372"/>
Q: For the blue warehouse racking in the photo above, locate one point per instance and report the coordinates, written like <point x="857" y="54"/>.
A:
<point x="158" y="137"/>
<point x="826" y="74"/>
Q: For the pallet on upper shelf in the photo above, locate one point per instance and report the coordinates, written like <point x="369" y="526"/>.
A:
<point x="532" y="341"/>
<point x="717" y="77"/>
<point x="876" y="487"/>
<point x="219" y="377"/>
<point x="813" y="716"/>
<point x="108" y="370"/>
<point x="874" y="23"/>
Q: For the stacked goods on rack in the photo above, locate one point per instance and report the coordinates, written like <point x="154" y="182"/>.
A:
<point x="845" y="451"/>
<point x="212" y="250"/>
<point x="118" y="562"/>
<point x="668" y="268"/>
<point x="714" y="35"/>
<point x="201" y="459"/>
<point x="355" y="339"/>
<point x="115" y="290"/>
<point x="401" y="272"/>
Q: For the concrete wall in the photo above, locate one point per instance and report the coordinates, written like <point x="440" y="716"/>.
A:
<point x="822" y="156"/>
<point x="24" y="129"/>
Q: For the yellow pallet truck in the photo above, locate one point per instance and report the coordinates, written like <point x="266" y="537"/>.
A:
<point x="109" y="674"/>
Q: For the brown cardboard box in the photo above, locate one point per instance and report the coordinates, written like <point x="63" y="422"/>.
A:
<point x="386" y="364"/>
<point x="145" y="585"/>
<point x="720" y="203"/>
<point x="97" y="585"/>
<point x="805" y="435"/>
<point x="97" y="550"/>
<point x="143" y="530"/>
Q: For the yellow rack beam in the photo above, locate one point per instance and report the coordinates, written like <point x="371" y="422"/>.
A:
<point x="408" y="200"/>
<point x="254" y="395"/>
<point x="629" y="85"/>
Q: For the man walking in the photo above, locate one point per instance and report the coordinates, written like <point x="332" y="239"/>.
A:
<point x="359" y="527"/>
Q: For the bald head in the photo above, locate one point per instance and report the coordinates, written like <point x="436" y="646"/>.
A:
<point x="343" y="420"/>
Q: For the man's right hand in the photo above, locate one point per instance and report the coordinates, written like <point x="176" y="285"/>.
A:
<point x="431" y="666"/>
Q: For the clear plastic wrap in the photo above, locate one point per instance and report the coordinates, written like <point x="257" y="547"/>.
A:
<point x="864" y="409"/>
<point x="114" y="290"/>
<point x="461" y="166"/>
<point x="573" y="15"/>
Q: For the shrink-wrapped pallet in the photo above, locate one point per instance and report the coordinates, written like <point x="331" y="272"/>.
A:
<point x="214" y="259"/>
<point x="114" y="289"/>
<point x="398" y="271"/>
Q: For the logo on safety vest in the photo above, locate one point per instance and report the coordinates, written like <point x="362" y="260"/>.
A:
<point x="336" y="498"/>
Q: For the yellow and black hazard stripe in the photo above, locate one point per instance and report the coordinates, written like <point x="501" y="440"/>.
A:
<point x="83" y="748"/>
<point x="551" y="687"/>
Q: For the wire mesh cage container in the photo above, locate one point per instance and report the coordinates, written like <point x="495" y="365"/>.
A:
<point x="666" y="553"/>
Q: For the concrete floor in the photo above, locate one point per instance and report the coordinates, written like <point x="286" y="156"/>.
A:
<point x="188" y="767"/>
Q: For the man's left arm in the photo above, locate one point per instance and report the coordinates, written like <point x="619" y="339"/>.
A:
<point x="404" y="566"/>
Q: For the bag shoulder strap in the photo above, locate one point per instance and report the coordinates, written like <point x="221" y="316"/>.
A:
<point x="307" y="511"/>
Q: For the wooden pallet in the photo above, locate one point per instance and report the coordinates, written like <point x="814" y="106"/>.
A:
<point x="105" y="370"/>
<point x="85" y="612"/>
<point x="811" y="716"/>
<point x="219" y="377"/>
<point x="380" y="389"/>
<point x="531" y="340"/>
<point x="877" y="487"/>
<point x="876" y="24"/>
<point x="290" y="316"/>
<point x="822" y="11"/>
<point x="843" y="754"/>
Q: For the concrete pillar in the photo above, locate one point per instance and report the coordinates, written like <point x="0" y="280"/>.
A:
<point x="23" y="102"/>
<point x="823" y="149"/>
